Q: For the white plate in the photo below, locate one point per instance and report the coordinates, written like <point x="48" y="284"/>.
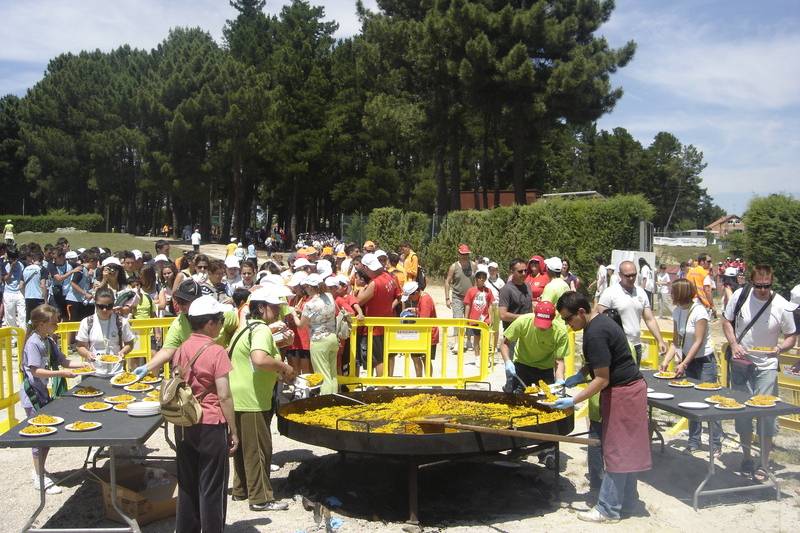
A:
<point x="123" y="384"/>
<point x="57" y="422"/>
<point x="94" y="395"/>
<point x="69" y="427"/>
<point x="129" y="389"/>
<point x="82" y="374"/>
<point x="748" y="404"/>
<point x="689" y="386"/>
<point x="143" y="414"/>
<point x="711" y="389"/>
<point x="109" y="406"/>
<point x="152" y="381"/>
<point x="50" y="431"/>
<point x="709" y="400"/>
<point x="649" y="390"/>
<point x="656" y="375"/>
<point x="111" y="400"/>
<point x="718" y="406"/>
<point x="120" y="408"/>
<point x="660" y="396"/>
<point x="694" y="405"/>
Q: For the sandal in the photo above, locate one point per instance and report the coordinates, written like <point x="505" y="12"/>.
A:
<point x="760" y="475"/>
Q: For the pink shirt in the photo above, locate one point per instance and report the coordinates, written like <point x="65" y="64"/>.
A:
<point x="213" y="363"/>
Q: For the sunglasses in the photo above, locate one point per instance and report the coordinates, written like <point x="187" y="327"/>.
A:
<point x="523" y="271"/>
<point x="762" y="285"/>
<point x="105" y="307"/>
<point x="628" y="275"/>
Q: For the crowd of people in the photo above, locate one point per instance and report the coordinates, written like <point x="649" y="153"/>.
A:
<point x="243" y="327"/>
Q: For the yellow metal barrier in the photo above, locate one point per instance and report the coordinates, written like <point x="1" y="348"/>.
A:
<point x="406" y="336"/>
<point x="9" y="393"/>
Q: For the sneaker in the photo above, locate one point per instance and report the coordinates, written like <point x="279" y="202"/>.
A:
<point x="49" y="485"/>
<point x="593" y="515"/>
<point x="273" y="467"/>
<point x="270" y="506"/>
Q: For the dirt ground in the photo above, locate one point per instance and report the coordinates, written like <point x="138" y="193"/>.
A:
<point x="486" y="495"/>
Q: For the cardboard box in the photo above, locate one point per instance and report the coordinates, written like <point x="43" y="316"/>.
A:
<point x="144" y="493"/>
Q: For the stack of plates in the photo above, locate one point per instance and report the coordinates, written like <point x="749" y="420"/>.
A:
<point x="144" y="408"/>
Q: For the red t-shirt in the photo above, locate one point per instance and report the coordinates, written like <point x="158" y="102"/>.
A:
<point x="477" y="302"/>
<point x="302" y="336"/>
<point x="536" y="284"/>
<point x="213" y="363"/>
<point x="427" y="309"/>
<point x="386" y="292"/>
<point x="346" y="302"/>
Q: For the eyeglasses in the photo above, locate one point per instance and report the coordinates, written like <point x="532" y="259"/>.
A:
<point x="762" y="285"/>
<point x="104" y="307"/>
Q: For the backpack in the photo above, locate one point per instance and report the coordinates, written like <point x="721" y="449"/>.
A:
<point x="117" y="320"/>
<point x="343" y="325"/>
<point x="422" y="278"/>
<point x="178" y="403"/>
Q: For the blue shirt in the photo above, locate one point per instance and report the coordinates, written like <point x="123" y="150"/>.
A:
<point x="33" y="277"/>
<point x="36" y="354"/>
<point x="12" y="283"/>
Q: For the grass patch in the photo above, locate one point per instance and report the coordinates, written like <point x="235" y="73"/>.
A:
<point x="113" y="241"/>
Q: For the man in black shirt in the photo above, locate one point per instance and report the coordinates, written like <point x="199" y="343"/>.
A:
<point x="515" y="301"/>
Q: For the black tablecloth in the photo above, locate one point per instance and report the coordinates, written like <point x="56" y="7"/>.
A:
<point x="119" y="428"/>
<point x="710" y="413"/>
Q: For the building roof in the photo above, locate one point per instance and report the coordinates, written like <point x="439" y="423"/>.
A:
<point x="722" y="220"/>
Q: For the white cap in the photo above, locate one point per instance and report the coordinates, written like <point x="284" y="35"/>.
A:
<point x="207" y="305"/>
<point x="409" y="288"/>
<point x="324" y="268"/>
<point x="160" y="257"/>
<point x="795" y="295"/>
<point x="493" y="265"/>
<point x="483" y="268"/>
<point x="302" y="262"/>
<point x="271" y="279"/>
<point x="286" y="274"/>
<point x="731" y="272"/>
<point x="110" y="261"/>
<point x="611" y="267"/>
<point x="100" y="250"/>
<point x="269" y="295"/>
<point x="231" y="262"/>
<point x="313" y="280"/>
<point x="342" y="280"/>
<point x="233" y="239"/>
<point x="380" y="253"/>
<point x="73" y="255"/>
<point x="339" y="248"/>
<point x="553" y="263"/>
<point x="297" y="278"/>
<point x="371" y="262"/>
<point x="137" y="254"/>
<point x="332" y="282"/>
<point x="81" y="250"/>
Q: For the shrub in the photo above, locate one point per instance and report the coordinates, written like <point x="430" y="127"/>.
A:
<point x="50" y="222"/>
<point x="771" y="237"/>
<point x="390" y="227"/>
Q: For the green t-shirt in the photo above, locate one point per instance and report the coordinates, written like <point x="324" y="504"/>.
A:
<point x="553" y="290"/>
<point x="252" y="387"/>
<point x="536" y="347"/>
<point x="180" y="330"/>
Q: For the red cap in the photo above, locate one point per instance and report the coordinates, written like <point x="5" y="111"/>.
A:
<point x="537" y="258"/>
<point x="544" y="313"/>
<point x="464" y="249"/>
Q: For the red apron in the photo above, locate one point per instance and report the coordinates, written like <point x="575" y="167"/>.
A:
<point x="626" y="432"/>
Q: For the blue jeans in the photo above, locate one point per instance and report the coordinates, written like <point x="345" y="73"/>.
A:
<point x="618" y="494"/>
<point x="754" y="381"/>
<point x="595" y="455"/>
<point x="704" y="369"/>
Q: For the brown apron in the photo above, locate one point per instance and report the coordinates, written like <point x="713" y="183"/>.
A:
<point x="626" y="433"/>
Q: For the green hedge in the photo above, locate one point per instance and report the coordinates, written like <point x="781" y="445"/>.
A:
<point x="390" y="227"/>
<point x="577" y="229"/>
<point x="771" y="237"/>
<point x="45" y="223"/>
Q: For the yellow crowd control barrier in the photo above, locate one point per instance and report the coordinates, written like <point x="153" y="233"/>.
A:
<point x="9" y="390"/>
<point x="411" y="337"/>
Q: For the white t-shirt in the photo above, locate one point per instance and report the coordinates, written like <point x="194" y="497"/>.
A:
<point x="602" y="278"/>
<point x="686" y="324"/>
<point x="646" y="276"/>
<point x="776" y="319"/>
<point x="196" y="238"/>
<point x="663" y="282"/>
<point x="103" y="330"/>
<point x="495" y="286"/>
<point x="630" y="307"/>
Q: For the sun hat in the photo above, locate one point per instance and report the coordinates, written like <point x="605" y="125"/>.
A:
<point x="327" y="250"/>
<point x="312" y="280"/>
<point x="464" y="249"/>
<point x="231" y="262"/>
<point x="189" y="290"/>
<point x="371" y="262"/>
<point x="297" y="278"/>
<point x="409" y="288"/>
<point x="267" y="294"/>
<point x="206" y="305"/>
<point x="368" y="244"/>
<point x="553" y="263"/>
<point x="341" y="254"/>
<point x="544" y="313"/>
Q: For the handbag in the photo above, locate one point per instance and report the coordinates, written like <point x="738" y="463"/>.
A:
<point x="743" y="366"/>
<point x="178" y="403"/>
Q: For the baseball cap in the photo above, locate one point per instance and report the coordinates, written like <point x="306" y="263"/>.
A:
<point x="327" y="250"/>
<point x="371" y="262"/>
<point x="273" y="279"/>
<point x="189" y="290"/>
<point x="369" y="244"/>
<point x="342" y="280"/>
<point x="795" y="295"/>
<point x="231" y="262"/>
<point x="380" y="253"/>
<point x="74" y="255"/>
<point x="206" y="305"/>
<point x="332" y="282"/>
<point x="160" y="257"/>
<point x="409" y="288"/>
<point x="137" y="254"/>
<point x="731" y="272"/>
<point x="233" y="239"/>
<point x="267" y="294"/>
<point x="313" y="280"/>
<point x="464" y="249"/>
<point x="341" y="254"/>
<point x="302" y="262"/>
<point x="544" y="313"/>
<point x="553" y="263"/>
<point x="107" y="261"/>
<point x="611" y="267"/>
<point x="81" y="250"/>
<point x="483" y="269"/>
<point x="492" y="265"/>
<point x="297" y="278"/>
<point x="324" y="268"/>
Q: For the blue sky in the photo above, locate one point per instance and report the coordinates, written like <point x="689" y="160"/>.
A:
<point x="721" y="75"/>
